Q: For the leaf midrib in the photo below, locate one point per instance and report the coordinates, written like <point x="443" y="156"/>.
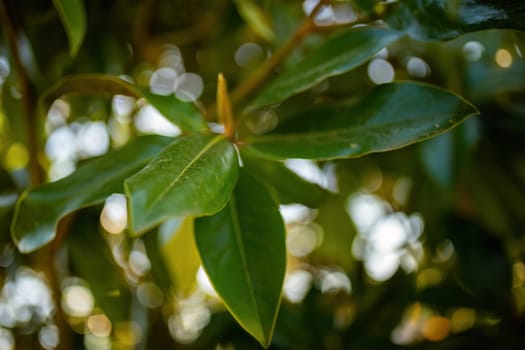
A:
<point x="244" y="260"/>
<point x="168" y="188"/>
<point x="324" y="133"/>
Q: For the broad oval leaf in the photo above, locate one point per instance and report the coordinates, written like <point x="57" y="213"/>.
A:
<point x="337" y="55"/>
<point x="391" y="116"/>
<point x="179" y="252"/>
<point x="287" y="185"/>
<point x="39" y="210"/>
<point x="443" y="19"/>
<point x="73" y="17"/>
<point x="184" y="115"/>
<point x="243" y="251"/>
<point x="194" y="175"/>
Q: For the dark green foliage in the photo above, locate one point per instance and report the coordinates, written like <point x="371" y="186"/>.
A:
<point x="363" y="186"/>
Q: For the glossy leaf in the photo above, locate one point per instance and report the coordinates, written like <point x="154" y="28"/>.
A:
<point x="185" y="115"/>
<point x="443" y="19"/>
<point x="73" y="18"/>
<point x="180" y="253"/>
<point x="287" y="185"/>
<point x="337" y="55"/>
<point x="90" y="255"/>
<point x="390" y="116"/>
<point x="39" y="210"/>
<point x="194" y="175"/>
<point x="247" y="241"/>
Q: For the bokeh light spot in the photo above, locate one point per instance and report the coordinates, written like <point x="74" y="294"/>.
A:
<point x="296" y="285"/>
<point x="49" y="336"/>
<point x="473" y="50"/>
<point x="248" y="55"/>
<point x="99" y="325"/>
<point x="436" y="328"/>
<point x="380" y="71"/>
<point x="77" y="300"/>
<point x="503" y="58"/>
<point x="189" y="87"/>
<point x="114" y="216"/>
<point x="16" y="157"/>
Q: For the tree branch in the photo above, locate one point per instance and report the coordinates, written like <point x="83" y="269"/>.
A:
<point x="36" y="173"/>
<point x="260" y="76"/>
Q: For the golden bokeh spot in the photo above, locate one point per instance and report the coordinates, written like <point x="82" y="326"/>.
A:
<point x="128" y="334"/>
<point x="519" y="274"/>
<point x="2" y="121"/>
<point x="16" y="157"/>
<point x="462" y="319"/>
<point x="428" y="277"/>
<point x="503" y="58"/>
<point x="99" y="325"/>
<point x="436" y="328"/>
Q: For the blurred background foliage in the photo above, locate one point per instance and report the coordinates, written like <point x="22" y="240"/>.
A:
<point x="420" y="248"/>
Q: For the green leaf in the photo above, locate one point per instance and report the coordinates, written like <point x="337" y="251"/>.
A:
<point x="39" y="210"/>
<point x="256" y="18"/>
<point x="86" y="84"/>
<point x="287" y="185"/>
<point x="243" y="251"/>
<point x="73" y="18"/>
<point x="336" y="56"/>
<point x="181" y="257"/>
<point x="391" y="116"/>
<point x="445" y="19"/>
<point x="184" y="115"/>
<point x="194" y="175"/>
<point x="90" y="255"/>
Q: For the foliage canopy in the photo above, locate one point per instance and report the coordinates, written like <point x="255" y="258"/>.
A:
<point x="361" y="184"/>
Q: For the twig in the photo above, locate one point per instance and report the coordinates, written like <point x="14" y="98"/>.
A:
<point x="44" y="258"/>
<point x="260" y="76"/>
<point x="35" y="170"/>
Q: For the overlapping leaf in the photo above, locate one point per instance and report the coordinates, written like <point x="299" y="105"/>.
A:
<point x="337" y="55"/>
<point x="443" y="19"/>
<point x="287" y="185"/>
<point x="180" y="254"/>
<point x="194" y="175"/>
<point x="390" y="116"/>
<point x="243" y="251"/>
<point x="184" y="115"/>
<point x="39" y="210"/>
<point x="89" y="256"/>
